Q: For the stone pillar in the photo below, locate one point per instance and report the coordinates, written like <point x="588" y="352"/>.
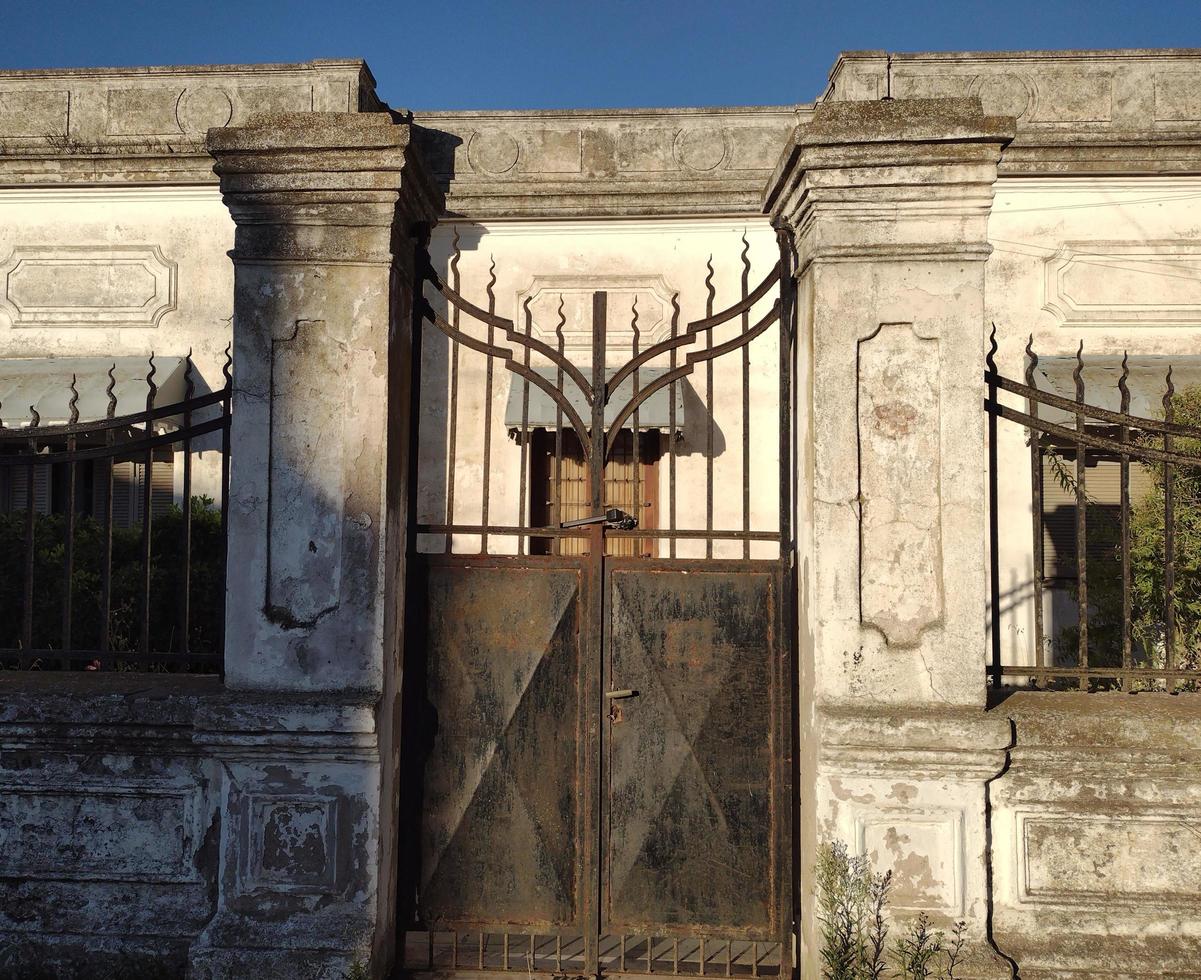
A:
<point x="888" y="204"/>
<point x="327" y="207"/>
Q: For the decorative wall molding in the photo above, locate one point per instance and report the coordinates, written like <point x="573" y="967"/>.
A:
<point x="653" y="295"/>
<point x="113" y="831"/>
<point x="900" y="535"/>
<point x="925" y="850"/>
<point x="1115" y="112"/>
<point x="290" y="845"/>
<point x="1178" y="97"/>
<point x="306" y="477"/>
<point x="1124" y="283"/>
<point x="34" y="113"/>
<point x="147" y="125"/>
<point x="605" y="162"/>
<point x="87" y="285"/>
<point x="1131" y="856"/>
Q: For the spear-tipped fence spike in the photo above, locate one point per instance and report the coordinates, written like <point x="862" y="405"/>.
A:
<point x="1031" y="362"/>
<point x="188" y="381"/>
<point x="151" y="387"/>
<point x="1078" y="372"/>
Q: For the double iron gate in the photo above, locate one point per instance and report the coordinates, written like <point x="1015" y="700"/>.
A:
<point x="597" y="772"/>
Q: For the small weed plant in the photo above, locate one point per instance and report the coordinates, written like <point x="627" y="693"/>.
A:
<point x="852" y="910"/>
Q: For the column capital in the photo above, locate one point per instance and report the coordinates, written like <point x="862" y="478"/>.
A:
<point x="323" y="186"/>
<point x="906" y="179"/>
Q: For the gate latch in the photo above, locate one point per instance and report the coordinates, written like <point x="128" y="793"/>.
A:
<point x="627" y="692"/>
<point x="613" y="518"/>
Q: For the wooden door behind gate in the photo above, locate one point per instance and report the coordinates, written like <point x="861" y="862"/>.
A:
<point x="597" y="758"/>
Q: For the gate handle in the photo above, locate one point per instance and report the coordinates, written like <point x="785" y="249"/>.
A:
<point x="613" y="518"/>
<point x="625" y="692"/>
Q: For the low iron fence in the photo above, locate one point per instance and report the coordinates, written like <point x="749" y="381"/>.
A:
<point x="111" y="561"/>
<point x="1115" y="533"/>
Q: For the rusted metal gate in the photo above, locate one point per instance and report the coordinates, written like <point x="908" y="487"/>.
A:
<point x="597" y="764"/>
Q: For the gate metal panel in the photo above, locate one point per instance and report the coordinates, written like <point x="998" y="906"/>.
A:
<point x="555" y="831"/>
<point x="693" y="760"/>
<point x="502" y="781"/>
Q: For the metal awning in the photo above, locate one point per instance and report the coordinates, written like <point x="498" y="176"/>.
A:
<point x="45" y="384"/>
<point x="1147" y="381"/>
<point x="654" y="413"/>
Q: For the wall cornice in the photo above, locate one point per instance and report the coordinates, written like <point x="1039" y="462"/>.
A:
<point x="147" y="125"/>
<point x="592" y="163"/>
<point x="1079" y="113"/>
<point x="1120" y="112"/>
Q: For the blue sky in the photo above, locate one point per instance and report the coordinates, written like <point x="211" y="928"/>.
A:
<point x="443" y="54"/>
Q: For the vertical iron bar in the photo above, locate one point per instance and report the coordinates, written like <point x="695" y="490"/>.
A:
<point x="69" y="554"/>
<point x="227" y="408"/>
<point x="746" y="402"/>
<point x="106" y="568"/>
<point x="488" y="413"/>
<point x="454" y="950"/>
<point x="994" y="563"/>
<point x="1081" y="524"/>
<point x="452" y="423"/>
<point x="1169" y="537"/>
<point x="1036" y="507"/>
<point x="523" y="481"/>
<point x="147" y="499"/>
<point x="505" y="951"/>
<point x="1124" y="544"/>
<point x="185" y="585"/>
<point x="556" y="490"/>
<point x="671" y="429"/>
<point x="481" y="950"/>
<point x="594" y="684"/>
<point x="30" y="527"/>
<point x="600" y="396"/>
<point x="635" y="436"/>
<point x="69" y="530"/>
<point x="709" y="434"/>
<point x="789" y="890"/>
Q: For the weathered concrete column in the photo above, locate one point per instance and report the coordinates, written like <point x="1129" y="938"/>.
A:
<point x="888" y="204"/>
<point x="327" y="207"/>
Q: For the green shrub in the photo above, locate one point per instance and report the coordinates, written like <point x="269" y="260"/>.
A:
<point x="166" y="579"/>
<point x="852" y="903"/>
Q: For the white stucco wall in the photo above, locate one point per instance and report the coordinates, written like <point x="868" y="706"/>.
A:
<point x="1115" y="263"/>
<point x="115" y="248"/>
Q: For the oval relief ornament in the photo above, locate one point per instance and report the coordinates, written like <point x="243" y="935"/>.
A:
<point x="1005" y="95"/>
<point x="202" y="109"/>
<point x="492" y="152"/>
<point x="701" y="150"/>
